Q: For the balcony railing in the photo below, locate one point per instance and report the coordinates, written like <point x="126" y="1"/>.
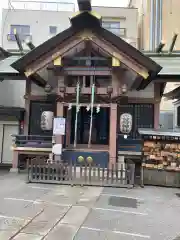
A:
<point x="23" y="37"/>
<point x="36" y="141"/>
<point x="121" y="32"/>
<point x="40" y="5"/>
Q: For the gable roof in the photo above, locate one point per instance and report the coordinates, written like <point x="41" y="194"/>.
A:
<point x="87" y="20"/>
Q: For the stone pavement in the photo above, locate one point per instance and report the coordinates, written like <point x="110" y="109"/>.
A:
<point x="54" y="212"/>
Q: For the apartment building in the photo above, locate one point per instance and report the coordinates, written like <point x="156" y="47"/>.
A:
<point x="121" y="21"/>
<point x="40" y="21"/>
<point x="36" y="22"/>
<point x="158" y="20"/>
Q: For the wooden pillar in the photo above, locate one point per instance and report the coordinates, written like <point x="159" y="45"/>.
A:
<point x="156" y="114"/>
<point x="157" y="98"/>
<point x="68" y="127"/>
<point x="60" y="105"/>
<point x="27" y="106"/>
<point x="60" y="112"/>
<point x="112" y="135"/>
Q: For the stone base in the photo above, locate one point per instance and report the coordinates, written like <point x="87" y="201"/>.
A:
<point x="14" y="170"/>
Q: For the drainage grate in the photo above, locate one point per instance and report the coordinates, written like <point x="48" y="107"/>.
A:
<point x="123" y="202"/>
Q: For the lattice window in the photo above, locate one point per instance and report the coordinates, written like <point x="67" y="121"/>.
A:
<point x="142" y="114"/>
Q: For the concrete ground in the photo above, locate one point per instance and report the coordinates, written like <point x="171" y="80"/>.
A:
<point x="54" y="212"/>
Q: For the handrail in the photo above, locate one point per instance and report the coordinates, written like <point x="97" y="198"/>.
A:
<point x="38" y="141"/>
<point x="39" y="5"/>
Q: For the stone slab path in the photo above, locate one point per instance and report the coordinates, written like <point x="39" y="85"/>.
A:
<point x="54" y="212"/>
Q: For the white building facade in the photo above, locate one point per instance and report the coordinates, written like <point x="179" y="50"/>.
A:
<point x="41" y="21"/>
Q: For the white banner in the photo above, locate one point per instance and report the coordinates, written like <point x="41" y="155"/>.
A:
<point x="59" y="126"/>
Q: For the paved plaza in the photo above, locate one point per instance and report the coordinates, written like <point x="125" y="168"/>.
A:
<point x="54" y="212"/>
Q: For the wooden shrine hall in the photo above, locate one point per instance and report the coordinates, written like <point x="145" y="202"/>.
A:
<point x="84" y="65"/>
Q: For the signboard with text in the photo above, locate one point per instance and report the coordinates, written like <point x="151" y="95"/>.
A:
<point x="59" y="126"/>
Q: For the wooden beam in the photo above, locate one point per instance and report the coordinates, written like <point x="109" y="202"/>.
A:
<point x="126" y="60"/>
<point x="88" y="72"/>
<point x="88" y="48"/>
<point x="27" y="107"/>
<point x="47" y="97"/>
<point x="18" y="41"/>
<point x="74" y="51"/>
<point x="80" y="70"/>
<point x="38" y="80"/>
<point x="50" y="56"/>
<point x="137" y="82"/>
<point x="141" y="100"/>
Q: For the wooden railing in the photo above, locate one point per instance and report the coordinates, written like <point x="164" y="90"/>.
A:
<point x="40" y="171"/>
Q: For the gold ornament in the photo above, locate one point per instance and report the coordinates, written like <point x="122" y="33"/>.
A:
<point x="80" y="159"/>
<point x="89" y="159"/>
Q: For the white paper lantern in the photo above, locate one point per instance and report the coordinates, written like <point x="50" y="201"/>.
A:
<point x="126" y="123"/>
<point x="47" y="120"/>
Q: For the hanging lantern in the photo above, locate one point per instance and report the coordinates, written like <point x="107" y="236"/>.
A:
<point x="47" y="120"/>
<point x="126" y="123"/>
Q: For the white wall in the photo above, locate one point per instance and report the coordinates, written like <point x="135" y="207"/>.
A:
<point x="12" y="93"/>
<point x="39" y="22"/>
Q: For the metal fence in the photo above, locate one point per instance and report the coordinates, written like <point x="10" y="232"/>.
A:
<point x="80" y="174"/>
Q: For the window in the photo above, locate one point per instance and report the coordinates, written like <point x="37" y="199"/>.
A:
<point x="114" y="27"/>
<point x="53" y="30"/>
<point x="178" y="116"/>
<point x="22" y="30"/>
